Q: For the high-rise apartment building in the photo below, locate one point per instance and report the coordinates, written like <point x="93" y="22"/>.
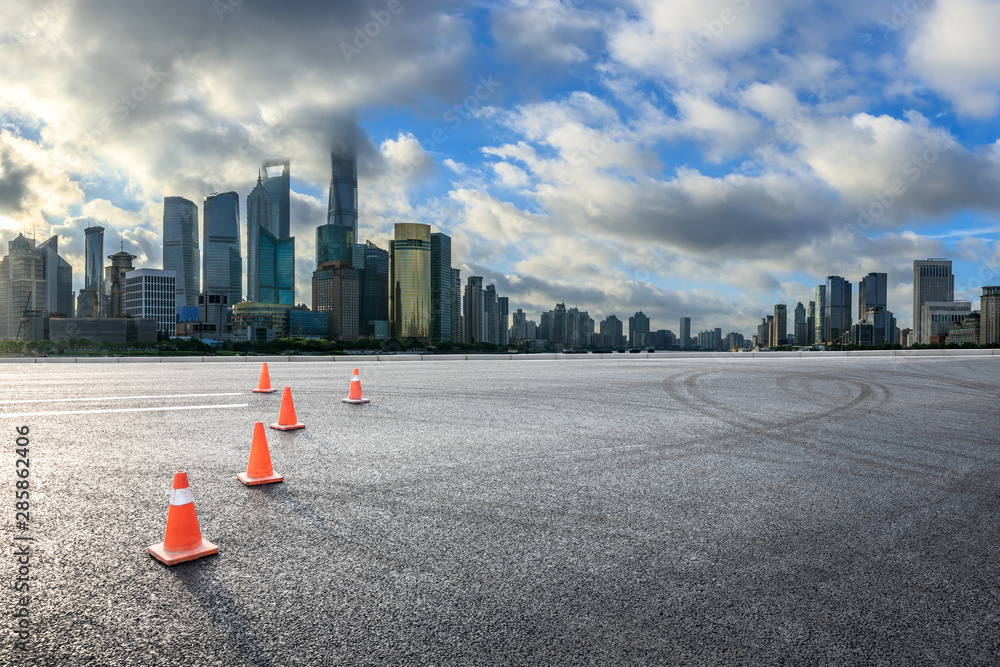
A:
<point x="441" y="287"/>
<point x="838" y="308"/>
<point x="181" y="253"/>
<point x="473" y="324"/>
<point x="277" y="181"/>
<point x="22" y="292"/>
<point x="637" y="324"/>
<point x="410" y="281"/>
<point x="503" y="315"/>
<point x="491" y="314"/>
<point x="152" y="294"/>
<point x="933" y="281"/>
<point x="779" y="332"/>
<point x="222" y="255"/>
<point x="270" y="258"/>
<point x="811" y="324"/>
<point x="611" y="332"/>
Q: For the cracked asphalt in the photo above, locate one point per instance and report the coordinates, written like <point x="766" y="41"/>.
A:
<point x="678" y="511"/>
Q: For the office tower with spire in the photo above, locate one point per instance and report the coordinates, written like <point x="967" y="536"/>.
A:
<point x="22" y="292"/>
<point x="181" y="251"/>
<point x="222" y="257"/>
<point x="270" y="259"/>
<point x="933" y="281"/>
<point x="114" y="281"/>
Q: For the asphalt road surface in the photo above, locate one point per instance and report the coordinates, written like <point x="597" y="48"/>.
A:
<point x="786" y="511"/>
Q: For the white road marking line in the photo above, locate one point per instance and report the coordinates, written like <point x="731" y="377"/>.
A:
<point x="94" y="412"/>
<point x="118" y="398"/>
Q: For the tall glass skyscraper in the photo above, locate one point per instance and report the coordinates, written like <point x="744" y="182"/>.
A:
<point x="374" y="299"/>
<point x="820" y="335"/>
<point x="933" y="281"/>
<point x="343" y="202"/>
<point x="270" y="259"/>
<point x="441" y="286"/>
<point x="410" y="281"/>
<point x="58" y="276"/>
<point x="181" y="253"/>
<point x="89" y="301"/>
<point x="838" y="307"/>
<point x="277" y="182"/>
<point x="456" y="305"/>
<point x="334" y="243"/>
<point x="222" y="260"/>
<point x="872" y="293"/>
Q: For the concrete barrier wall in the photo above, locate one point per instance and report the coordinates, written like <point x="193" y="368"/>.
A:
<point x="366" y="358"/>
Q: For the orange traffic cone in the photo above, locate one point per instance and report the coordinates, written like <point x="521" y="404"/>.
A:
<point x="354" y="396"/>
<point x="264" y="384"/>
<point x="286" y="416"/>
<point x="182" y="541"/>
<point x="259" y="470"/>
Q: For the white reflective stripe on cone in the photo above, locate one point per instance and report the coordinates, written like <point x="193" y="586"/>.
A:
<point x="181" y="496"/>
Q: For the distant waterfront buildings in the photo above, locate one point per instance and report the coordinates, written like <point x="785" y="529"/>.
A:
<point x="937" y="316"/>
<point x="181" y="253"/>
<point x="989" y="308"/>
<point x="685" y="333"/>
<point x="611" y="332"/>
<point x="22" y="291"/>
<point x="222" y="257"/>
<point x="779" y="332"/>
<point x="638" y="326"/>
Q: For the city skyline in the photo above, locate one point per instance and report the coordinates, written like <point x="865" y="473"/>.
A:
<point x="702" y="159"/>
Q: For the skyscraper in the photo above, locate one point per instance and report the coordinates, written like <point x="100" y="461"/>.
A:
<point x="89" y="301"/>
<point x="933" y="281"/>
<point x="685" y="333"/>
<point x="811" y="324"/>
<point x="490" y="309"/>
<point x="343" y="202"/>
<point x="637" y="324"/>
<point x="373" y="307"/>
<point x="58" y="276"/>
<point x="22" y="292"/>
<point x="473" y="326"/>
<point x="441" y="286"/>
<point x="821" y="333"/>
<point x="335" y="292"/>
<point x="270" y="259"/>
<point x="222" y="258"/>
<point x="779" y="332"/>
<point x="277" y="182"/>
<point x="180" y="248"/>
<point x="800" y="331"/>
<point x="503" y="311"/>
<point x="872" y="291"/>
<point x="838" y="308"/>
<point x="456" y="305"/>
<point x="151" y="293"/>
<point x="611" y="331"/>
<point x="410" y="281"/>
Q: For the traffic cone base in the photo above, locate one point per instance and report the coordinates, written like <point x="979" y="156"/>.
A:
<point x="252" y="481"/>
<point x="287" y="420"/>
<point x="173" y="557"/>
<point x="182" y="541"/>
<point x="264" y="383"/>
<point x="354" y="395"/>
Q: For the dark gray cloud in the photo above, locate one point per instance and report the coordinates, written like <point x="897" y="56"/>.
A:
<point x="15" y="192"/>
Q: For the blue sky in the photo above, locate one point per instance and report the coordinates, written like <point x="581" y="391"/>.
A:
<point x="688" y="158"/>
